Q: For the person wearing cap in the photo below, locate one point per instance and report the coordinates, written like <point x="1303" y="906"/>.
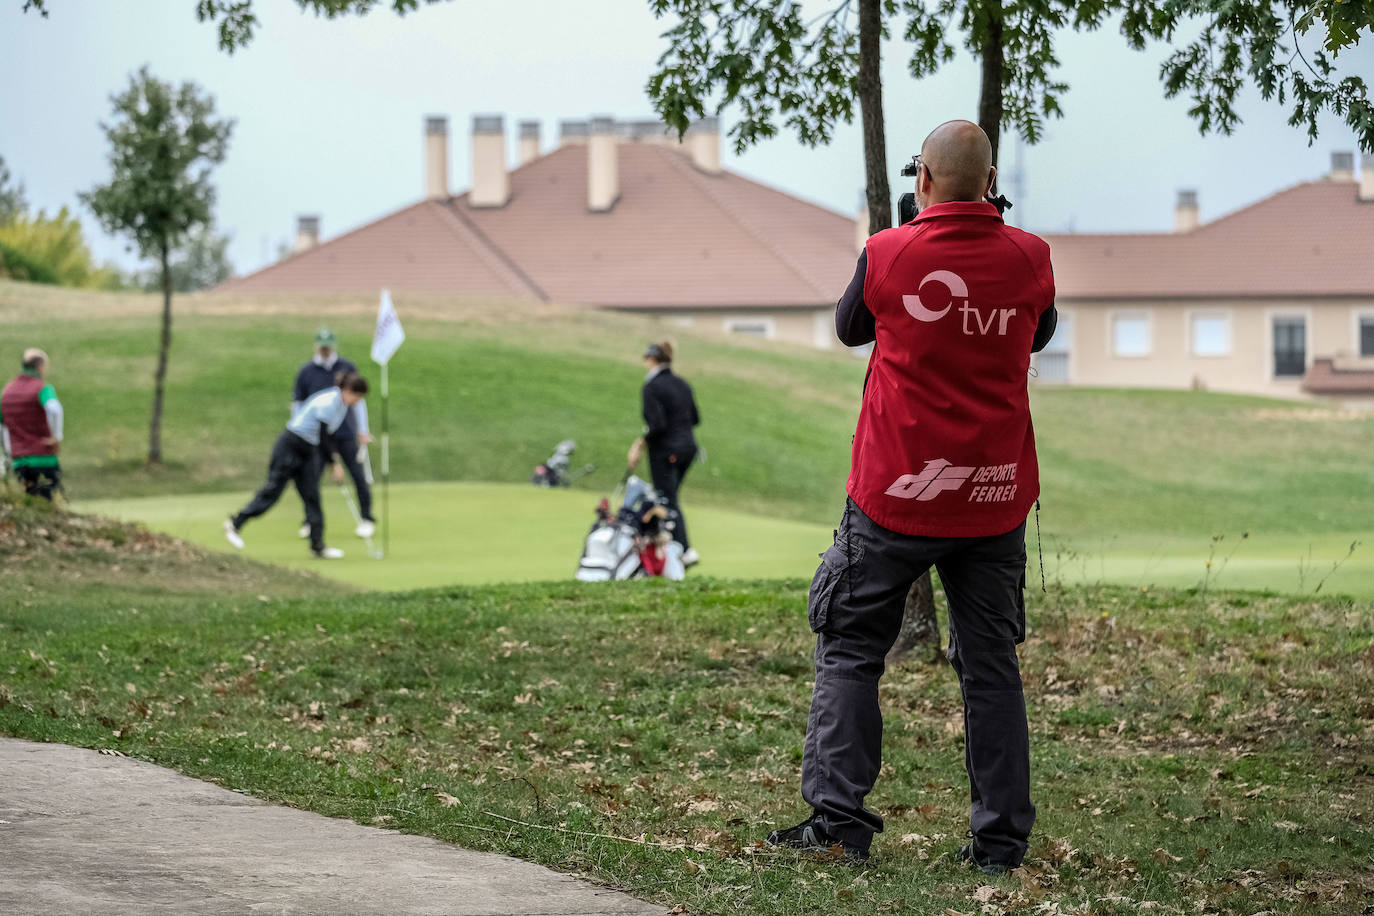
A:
<point x="670" y="412"/>
<point x="295" y="460"/>
<point x="320" y="373"/>
<point x="31" y="426"/>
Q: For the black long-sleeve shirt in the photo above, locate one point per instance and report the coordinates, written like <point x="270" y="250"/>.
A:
<point x="855" y="326"/>
<point x="670" y="412"/>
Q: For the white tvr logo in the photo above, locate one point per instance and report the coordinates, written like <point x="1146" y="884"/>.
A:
<point x="939" y="291"/>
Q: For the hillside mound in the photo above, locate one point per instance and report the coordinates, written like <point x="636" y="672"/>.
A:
<point x="44" y="546"/>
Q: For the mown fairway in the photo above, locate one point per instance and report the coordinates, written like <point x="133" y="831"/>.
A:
<point x="1190" y="754"/>
<point x="1136" y="483"/>
<point x="471" y="533"/>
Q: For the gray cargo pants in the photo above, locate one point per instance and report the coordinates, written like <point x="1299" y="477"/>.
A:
<point x="856" y="603"/>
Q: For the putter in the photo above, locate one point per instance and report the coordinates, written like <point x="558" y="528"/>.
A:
<point x="372" y="551"/>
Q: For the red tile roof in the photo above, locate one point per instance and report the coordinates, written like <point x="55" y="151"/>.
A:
<point x="676" y="237"/>
<point x="1314" y="239"/>
<point x="679" y="237"/>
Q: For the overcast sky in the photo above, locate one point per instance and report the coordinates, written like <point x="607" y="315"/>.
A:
<point x="330" y="114"/>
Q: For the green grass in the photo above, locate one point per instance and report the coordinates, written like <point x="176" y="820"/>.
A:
<point x="1136" y="483"/>
<point x="1190" y="754"/>
<point x="468" y="533"/>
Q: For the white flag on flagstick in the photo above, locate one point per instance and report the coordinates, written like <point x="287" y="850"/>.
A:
<point x="389" y="336"/>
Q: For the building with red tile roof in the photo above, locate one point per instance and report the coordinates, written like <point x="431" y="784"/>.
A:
<point x="675" y="235"/>
<point x="622" y="215"/>
<point x="1245" y="303"/>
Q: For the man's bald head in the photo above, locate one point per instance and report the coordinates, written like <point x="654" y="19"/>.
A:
<point x="958" y="156"/>
<point x="35" y="359"/>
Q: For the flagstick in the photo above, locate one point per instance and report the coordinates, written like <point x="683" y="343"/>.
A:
<point x="386" y="470"/>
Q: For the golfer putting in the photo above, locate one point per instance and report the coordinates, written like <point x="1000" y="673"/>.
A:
<point x="352" y="437"/>
<point x="298" y="457"/>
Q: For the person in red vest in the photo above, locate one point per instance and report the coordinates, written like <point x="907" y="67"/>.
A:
<point x="943" y="474"/>
<point x="31" y="426"/>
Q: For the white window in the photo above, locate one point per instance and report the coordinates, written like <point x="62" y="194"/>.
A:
<point x="754" y="327"/>
<point x="1211" y="335"/>
<point x="1367" y="335"/>
<point x="1131" y="334"/>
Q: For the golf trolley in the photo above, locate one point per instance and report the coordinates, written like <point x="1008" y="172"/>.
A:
<point x="555" y="472"/>
<point x="635" y="540"/>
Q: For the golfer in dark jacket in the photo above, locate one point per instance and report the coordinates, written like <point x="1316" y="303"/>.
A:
<point x="670" y="412"/>
<point x="315" y="376"/>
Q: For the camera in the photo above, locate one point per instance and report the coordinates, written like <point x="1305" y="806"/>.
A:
<point x="906" y="204"/>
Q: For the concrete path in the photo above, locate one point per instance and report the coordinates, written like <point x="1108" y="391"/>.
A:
<point x="85" y="833"/>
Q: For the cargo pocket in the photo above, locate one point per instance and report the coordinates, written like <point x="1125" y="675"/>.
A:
<point x="831" y="584"/>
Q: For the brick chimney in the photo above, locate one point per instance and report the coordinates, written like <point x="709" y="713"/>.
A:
<point x="1367" y="178"/>
<point x="307" y="233"/>
<point x="1185" y="212"/>
<point x="436" y="158"/>
<point x="572" y="133"/>
<point x="603" y="167"/>
<point x="529" y="141"/>
<point x="1342" y="167"/>
<point x="490" y="181"/>
<point x="703" y="141"/>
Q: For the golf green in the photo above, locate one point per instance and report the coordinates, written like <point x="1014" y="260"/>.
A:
<point x="475" y="533"/>
<point x="469" y="533"/>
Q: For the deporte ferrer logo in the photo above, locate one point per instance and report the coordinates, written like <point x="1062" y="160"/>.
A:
<point x="992" y="484"/>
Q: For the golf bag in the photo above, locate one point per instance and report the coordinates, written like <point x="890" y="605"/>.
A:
<point x="555" y="471"/>
<point x="636" y="540"/>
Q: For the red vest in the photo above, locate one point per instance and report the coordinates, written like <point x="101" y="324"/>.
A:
<point x="944" y="446"/>
<point x="25" y="418"/>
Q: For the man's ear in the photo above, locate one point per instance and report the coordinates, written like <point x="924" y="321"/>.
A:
<point x="992" y="180"/>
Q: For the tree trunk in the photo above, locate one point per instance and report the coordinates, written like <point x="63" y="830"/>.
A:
<point x="919" y="624"/>
<point x="920" y="627"/>
<point x="160" y="379"/>
<point x="990" y="96"/>
<point x="870" y="86"/>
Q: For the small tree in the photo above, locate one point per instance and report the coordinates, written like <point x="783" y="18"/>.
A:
<point x="163" y="143"/>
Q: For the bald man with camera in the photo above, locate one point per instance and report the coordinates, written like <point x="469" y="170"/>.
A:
<point x="943" y="474"/>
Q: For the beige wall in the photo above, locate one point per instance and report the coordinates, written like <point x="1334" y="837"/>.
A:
<point x="809" y="327"/>
<point x="1332" y="331"/>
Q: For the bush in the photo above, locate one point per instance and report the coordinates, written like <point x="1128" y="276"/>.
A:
<point x="17" y="265"/>
<point x="43" y="249"/>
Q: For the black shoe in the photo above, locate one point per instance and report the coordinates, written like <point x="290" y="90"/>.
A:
<point x="981" y="862"/>
<point x="811" y="836"/>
